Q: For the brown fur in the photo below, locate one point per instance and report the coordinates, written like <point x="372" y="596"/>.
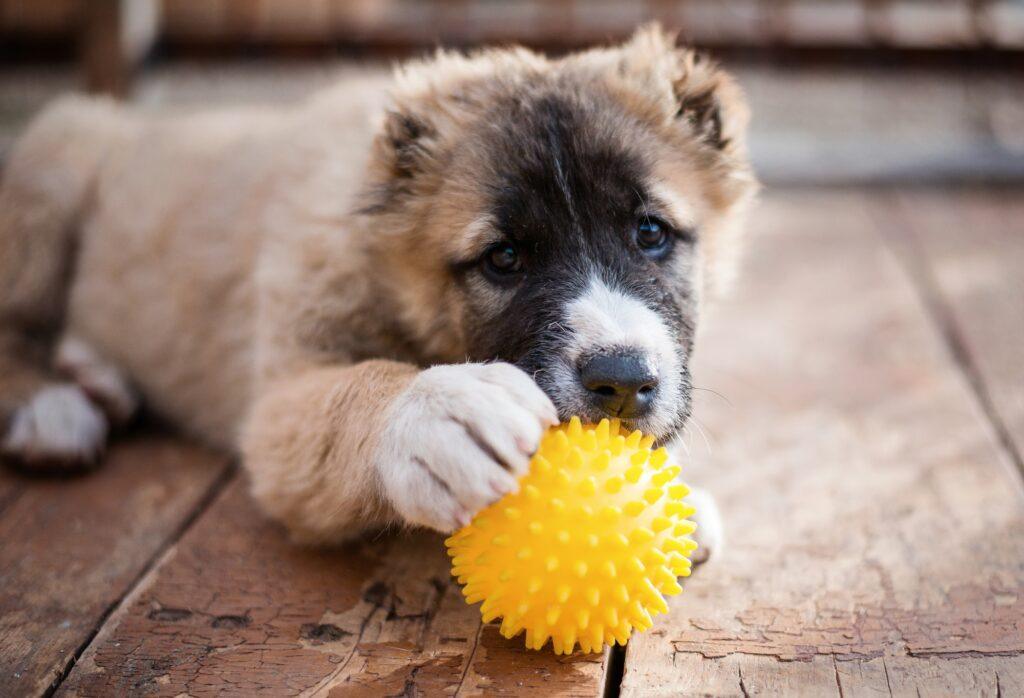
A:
<point x="273" y="280"/>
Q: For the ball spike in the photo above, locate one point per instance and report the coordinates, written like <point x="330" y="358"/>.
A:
<point x="653" y="494"/>
<point x="678" y="490"/>
<point x="575" y="459"/>
<point x="613" y="484"/>
<point x="660" y="478"/>
<point x="587" y="487"/>
<point x="611" y="616"/>
<point x="634" y="507"/>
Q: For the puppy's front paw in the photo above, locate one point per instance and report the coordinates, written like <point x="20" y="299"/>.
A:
<point x="458" y="439"/>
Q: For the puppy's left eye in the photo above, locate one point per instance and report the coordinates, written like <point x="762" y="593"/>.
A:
<point x="502" y="262"/>
<point x="653" y="237"/>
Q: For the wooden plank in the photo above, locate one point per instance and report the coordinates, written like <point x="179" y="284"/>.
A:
<point x="876" y="538"/>
<point x="237" y="609"/>
<point x="71" y="549"/>
<point x="968" y="253"/>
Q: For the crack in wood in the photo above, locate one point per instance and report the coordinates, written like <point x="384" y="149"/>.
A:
<point x="743" y="686"/>
<point x="912" y="258"/>
<point x="213" y="492"/>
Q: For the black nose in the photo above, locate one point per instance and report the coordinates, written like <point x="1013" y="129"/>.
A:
<point x="622" y="385"/>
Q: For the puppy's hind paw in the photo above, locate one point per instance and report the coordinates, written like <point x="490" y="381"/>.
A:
<point x="710" y="534"/>
<point x="58" y="430"/>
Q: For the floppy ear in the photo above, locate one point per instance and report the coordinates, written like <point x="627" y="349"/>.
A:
<point x="704" y="99"/>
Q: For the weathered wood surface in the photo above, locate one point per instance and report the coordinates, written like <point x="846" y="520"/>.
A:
<point x="874" y="516"/>
<point x="877" y="528"/>
<point x="967" y="253"/>
<point x="235" y="609"/>
<point x="70" y="549"/>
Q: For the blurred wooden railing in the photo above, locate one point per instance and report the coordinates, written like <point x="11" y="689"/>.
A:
<point x="896" y="23"/>
<point x="115" y="33"/>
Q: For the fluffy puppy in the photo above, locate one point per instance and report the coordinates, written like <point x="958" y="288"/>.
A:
<point x="381" y="319"/>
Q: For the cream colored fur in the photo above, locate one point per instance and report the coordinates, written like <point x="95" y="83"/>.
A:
<point x="212" y="265"/>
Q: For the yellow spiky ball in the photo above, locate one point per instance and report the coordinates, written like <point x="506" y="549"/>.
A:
<point x="588" y="547"/>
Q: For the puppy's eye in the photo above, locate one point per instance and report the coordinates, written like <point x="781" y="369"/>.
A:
<point x="502" y="261"/>
<point x="653" y="237"/>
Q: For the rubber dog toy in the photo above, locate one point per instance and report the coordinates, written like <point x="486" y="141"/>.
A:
<point x="589" y="546"/>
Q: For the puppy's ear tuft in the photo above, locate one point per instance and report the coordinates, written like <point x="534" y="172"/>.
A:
<point x="700" y="109"/>
<point x="408" y="140"/>
<point x="709" y="101"/>
<point x="704" y="98"/>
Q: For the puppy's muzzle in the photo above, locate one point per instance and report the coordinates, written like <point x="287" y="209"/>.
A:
<point x="619" y="384"/>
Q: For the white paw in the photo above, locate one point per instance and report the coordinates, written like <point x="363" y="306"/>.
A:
<point x="458" y="438"/>
<point x="58" y="426"/>
<point x="710" y="534"/>
<point x="103" y="381"/>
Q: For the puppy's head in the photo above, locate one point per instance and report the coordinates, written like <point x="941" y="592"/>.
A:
<point x="568" y="216"/>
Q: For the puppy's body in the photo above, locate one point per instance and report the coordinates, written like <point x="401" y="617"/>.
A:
<point x="277" y="281"/>
<point x="178" y="218"/>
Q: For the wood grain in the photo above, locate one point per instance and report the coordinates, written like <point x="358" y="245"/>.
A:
<point x="967" y="251"/>
<point x="71" y="549"/>
<point x="876" y="536"/>
<point x="235" y="609"/>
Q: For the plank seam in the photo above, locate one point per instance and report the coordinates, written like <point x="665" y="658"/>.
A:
<point x="219" y="484"/>
<point x="851" y="657"/>
<point x="469" y="662"/>
<point x="614" y="671"/>
<point x="911" y="258"/>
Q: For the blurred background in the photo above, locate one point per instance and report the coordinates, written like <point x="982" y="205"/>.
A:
<point x="843" y="91"/>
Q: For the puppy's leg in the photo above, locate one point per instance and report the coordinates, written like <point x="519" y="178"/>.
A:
<point x="335" y="451"/>
<point x="103" y="381"/>
<point x="43" y="191"/>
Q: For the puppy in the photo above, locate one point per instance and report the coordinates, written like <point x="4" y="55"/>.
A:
<point x="381" y="319"/>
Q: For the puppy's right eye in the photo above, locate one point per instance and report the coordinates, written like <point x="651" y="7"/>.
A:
<point x="502" y="261"/>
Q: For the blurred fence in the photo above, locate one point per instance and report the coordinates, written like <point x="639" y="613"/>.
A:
<point x="912" y="24"/>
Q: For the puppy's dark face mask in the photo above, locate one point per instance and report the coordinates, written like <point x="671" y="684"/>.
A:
<point x="584" y="276"/>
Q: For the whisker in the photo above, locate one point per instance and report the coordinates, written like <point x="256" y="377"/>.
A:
<point x="715" y="392"/>
<point x="703" y="433"/>
<point x="686" y="446"/>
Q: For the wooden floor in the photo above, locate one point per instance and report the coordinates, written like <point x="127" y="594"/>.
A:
<point x="861" y="420"/>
